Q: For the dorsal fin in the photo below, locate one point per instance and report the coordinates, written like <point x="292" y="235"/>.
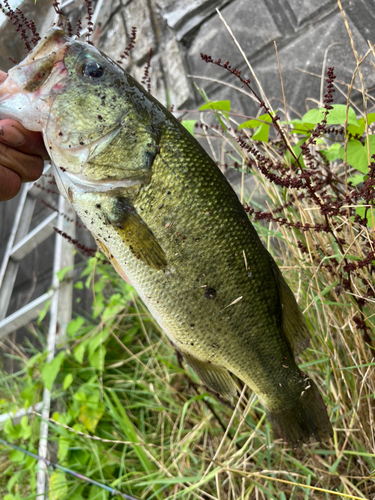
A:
<point x="294" y="324"/>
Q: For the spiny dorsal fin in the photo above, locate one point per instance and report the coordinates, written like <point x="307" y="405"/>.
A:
<point x="215" y="377"/>
<point x="138" y="237"/>
<point x="293" y="322"/>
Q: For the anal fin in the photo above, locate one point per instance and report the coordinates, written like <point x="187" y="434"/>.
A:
<point x="215" y="377"/>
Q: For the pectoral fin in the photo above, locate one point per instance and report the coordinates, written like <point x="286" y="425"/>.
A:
<point x="215" y="377"/>
<point x="294" y="324"/>
<point x="137" y="235"/>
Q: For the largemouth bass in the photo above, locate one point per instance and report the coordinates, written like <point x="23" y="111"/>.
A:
<point x="170" y="224"/>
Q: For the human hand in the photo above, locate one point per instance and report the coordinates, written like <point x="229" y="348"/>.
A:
<point x="21" y="155"/>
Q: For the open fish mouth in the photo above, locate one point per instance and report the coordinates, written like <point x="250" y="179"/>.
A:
<point x="27" y="93"/>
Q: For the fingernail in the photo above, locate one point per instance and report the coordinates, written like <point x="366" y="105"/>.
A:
<point x="9" y="134"/>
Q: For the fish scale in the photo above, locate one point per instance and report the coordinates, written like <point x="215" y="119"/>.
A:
<point x="171" y="225"/>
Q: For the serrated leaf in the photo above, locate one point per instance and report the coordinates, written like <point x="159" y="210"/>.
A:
<point x="189" y="125"/>
<point x="50" y="370"/>
<point x="58" y="485"/>
<point x="67" y="381"/>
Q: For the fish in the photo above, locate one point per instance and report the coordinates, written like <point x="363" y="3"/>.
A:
<point x="171" y="225"/>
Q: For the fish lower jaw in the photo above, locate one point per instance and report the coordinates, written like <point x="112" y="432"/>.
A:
<point x="89" y="186"/>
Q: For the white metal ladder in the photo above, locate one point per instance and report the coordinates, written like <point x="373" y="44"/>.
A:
<point x="21" y="242"/>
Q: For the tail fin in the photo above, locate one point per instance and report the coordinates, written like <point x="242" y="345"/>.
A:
<point x="307" y="420"/>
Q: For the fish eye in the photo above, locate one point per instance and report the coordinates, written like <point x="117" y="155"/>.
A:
<point x="92" y="69"/>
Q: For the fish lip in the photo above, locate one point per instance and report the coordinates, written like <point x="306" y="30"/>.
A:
<point x="83" y="184"/>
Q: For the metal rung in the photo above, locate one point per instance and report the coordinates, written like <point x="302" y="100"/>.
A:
<point x="34" y="238"/>
<point x="24" y="315"/>
<point x="20" y="413"/>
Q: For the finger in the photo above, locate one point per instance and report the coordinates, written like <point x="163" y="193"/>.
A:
<point x="28" y="167"/>
<point x="15" y="135"/>
<point x="3" y="76"/>
<point x="10" y="183"/>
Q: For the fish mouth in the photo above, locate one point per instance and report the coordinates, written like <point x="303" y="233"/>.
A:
<point x="26" y="93"/>
<point x="81" y="182"/>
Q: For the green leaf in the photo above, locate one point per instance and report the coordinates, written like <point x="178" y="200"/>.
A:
<point x="189" y="125"/>
<point x="79" y="285"/>
<point x="67" y="381"/>
<point x="14" y="480"/>
<point x="313" y="117"/>
<point x="262" y="131"/>
<point x="61" y="274"/>
<point x="12" y="431"/>
<point x="299" y="127"/>
<point x="333" y="152"/>
<point x="356" y="179"/>
<point x="353" y="129"/>
<point x="97" y="358"/>
<point x="79" y="351"/>
<point x="9" y="497"/>
<point x="361" y="211"/>
<point x="43" y="312"/>
<point x="26" y="428"/>
<point x="336" y="116"/>
<point x="50" y="370"/>
<point x="98" y="340"/>
<point x="75" y="325"/>
<point x="97" y="493"/>
<point x="90" y="415"/>
<point x="16" y="456"/>
<point x="256" y="122"/>
<point x="64" y="444"/>
<point x="357" y="154"/>
<point x="223" y="106"/>
<point x="58" y="485"/>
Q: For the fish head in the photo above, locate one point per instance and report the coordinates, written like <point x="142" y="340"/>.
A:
<point x="81" y="100"/>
